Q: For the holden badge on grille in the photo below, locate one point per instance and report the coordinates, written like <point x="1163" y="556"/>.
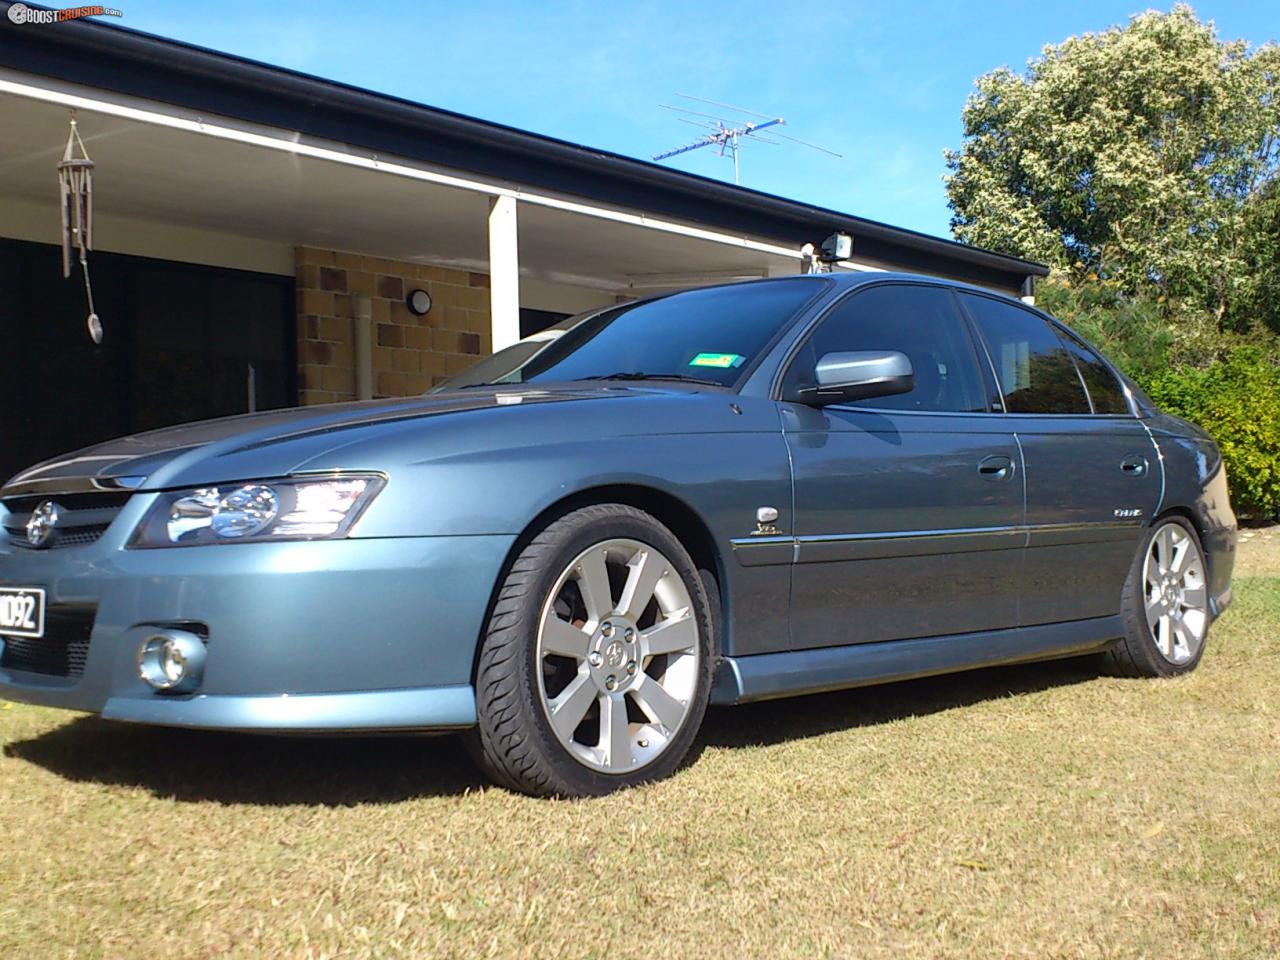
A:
<point x="41" y="523"/>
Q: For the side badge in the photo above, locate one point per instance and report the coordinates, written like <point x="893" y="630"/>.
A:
<point x="766" y="520"/>
<point x="1127" y="512"/>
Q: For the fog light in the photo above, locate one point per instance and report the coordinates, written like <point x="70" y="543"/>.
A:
<point x="172" y="661"/>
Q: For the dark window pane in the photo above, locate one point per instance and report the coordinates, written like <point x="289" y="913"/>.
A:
<point x="179" y="342"/>
<point x="919" y="321"/>
<point x="711" y="334"/>
<point x="1036" y="373"/>
<point x="1104" y="389"/>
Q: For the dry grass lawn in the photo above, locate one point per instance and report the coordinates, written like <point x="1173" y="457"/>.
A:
<point x="1024" y="812"/>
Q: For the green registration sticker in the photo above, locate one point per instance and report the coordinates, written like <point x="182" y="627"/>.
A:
<point x="722" y="360"/>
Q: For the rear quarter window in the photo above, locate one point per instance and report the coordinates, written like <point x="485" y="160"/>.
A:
<point x="1104" y="389"/>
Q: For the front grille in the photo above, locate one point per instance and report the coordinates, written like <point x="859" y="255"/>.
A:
<point x="63" y="649"/>
<point x="82" y="517"/>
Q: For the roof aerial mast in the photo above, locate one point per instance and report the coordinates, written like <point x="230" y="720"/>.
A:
<point x="730" y="133"/>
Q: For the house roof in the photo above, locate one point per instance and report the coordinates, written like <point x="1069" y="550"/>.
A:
<point x="130" y="62"/>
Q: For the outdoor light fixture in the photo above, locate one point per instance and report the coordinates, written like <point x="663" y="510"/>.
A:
<point x="838" y="246"/>
<point x="419" y="301"/>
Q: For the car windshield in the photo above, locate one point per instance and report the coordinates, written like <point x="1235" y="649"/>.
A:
<point x="708" y="336"/>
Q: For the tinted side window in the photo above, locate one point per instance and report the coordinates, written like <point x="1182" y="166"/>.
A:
<point x="1104" y="389"/>
<point x="921" y="322"/>
<point x="1036" y="373"/>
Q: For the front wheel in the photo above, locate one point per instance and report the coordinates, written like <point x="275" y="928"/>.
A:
<point x="595" y="670"/>
<point x="1165" y="605"/>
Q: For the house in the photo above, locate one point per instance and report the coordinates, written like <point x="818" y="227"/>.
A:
<point x="260" y="234"/>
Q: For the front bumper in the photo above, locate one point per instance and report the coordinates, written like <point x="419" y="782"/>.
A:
<point x="333" y="635"/>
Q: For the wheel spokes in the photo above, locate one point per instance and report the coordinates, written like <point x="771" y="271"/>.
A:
<point x="1164" y="635"/>
<point x="1183" y="640"/>
<point x="1164" y="549"/>
<point x="677" y="634"/>
<point x="1194" y="597"/>
<point x="1182" y="556"/>
<point x="615" y="731"/>
<point x="593" y="584"/>
<point x="568" y="709"/>
<point x="660" y="707"/>
<point x="644" y="571"/>
<point x="1155" y="610"/>
<point x="563" y="639"/>
<point x="1153" y="581"/>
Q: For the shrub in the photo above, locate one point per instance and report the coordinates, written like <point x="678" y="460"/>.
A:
<point x="1133" y="332"/>
<point x="1237" y="400"/>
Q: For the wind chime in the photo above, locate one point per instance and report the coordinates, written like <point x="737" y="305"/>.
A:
<point x="75" y="184"/>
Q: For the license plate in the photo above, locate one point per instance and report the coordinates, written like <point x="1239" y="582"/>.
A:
<point x="22" y="611"/>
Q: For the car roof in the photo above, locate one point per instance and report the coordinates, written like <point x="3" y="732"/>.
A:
<point x="849" y="279"/>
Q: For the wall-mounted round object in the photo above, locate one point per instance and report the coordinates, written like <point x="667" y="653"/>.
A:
<point x="419" y="301"/>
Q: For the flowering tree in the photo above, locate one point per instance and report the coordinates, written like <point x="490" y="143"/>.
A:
<point x="1146" y="155"/>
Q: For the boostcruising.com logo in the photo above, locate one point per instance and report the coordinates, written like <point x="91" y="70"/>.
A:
<point x="20" y="13"/>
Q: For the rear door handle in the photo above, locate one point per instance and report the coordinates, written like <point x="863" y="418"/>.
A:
<point x="1134" y="466"/>
<point x="996" y="467"/>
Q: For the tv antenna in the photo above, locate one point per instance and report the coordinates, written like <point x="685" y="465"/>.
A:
<point x="730" y="133"/>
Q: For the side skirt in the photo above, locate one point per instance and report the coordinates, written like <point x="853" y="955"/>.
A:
<point x="769" y="675"/>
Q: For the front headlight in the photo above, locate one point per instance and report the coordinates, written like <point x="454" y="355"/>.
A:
<point x="303" y="508"/>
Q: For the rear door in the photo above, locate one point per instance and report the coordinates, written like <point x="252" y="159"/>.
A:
<point x="908" y="508"/>
<point x="1092" y="471"/>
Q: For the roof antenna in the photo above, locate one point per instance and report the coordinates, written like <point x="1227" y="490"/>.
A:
<point x="75" y="188"/>
<point x="730" y="133"/>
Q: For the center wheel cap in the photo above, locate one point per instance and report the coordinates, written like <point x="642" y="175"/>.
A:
<point x="615" y="655"/>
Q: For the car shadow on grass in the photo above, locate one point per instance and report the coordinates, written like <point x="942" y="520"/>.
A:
<point x="776" y="721"/>
<point x="241" y="768"/>
<point x="231" y="768"/>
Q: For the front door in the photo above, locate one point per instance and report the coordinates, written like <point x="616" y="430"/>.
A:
<point x="908" y="508"/>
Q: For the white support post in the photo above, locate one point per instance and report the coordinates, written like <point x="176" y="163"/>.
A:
<point x="504" y="273"/>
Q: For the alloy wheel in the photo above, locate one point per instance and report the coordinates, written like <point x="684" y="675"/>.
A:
<point x="1176" y="598"/>
<point x="618" y="656"/>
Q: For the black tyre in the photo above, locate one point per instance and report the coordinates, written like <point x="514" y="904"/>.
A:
<point x="596" y="665"/>
<point x="1165" y="605"/>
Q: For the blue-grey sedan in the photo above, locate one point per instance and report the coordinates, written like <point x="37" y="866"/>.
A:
<point x="717" y="496"/>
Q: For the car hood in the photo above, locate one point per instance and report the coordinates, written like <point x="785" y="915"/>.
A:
<point x="295" y="436"/>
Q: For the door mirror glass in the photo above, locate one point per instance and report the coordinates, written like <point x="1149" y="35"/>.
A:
<point x="857" y="375"/>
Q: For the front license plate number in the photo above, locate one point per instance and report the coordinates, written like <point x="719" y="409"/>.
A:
<point x="22" y="611"/>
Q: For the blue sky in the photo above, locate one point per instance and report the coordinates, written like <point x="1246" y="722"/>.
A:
<point x="881" y="83"/>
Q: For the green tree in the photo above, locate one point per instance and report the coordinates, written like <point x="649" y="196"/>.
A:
<point x="1140" y="155"/>
<point x="1259" y="294"/>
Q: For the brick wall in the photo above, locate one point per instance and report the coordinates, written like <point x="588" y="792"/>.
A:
<point x="410" y="353"/>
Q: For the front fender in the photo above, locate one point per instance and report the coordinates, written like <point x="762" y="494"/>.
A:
<point x="476" y="475"/>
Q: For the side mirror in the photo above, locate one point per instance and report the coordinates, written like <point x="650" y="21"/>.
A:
<point x="842" y="377"/>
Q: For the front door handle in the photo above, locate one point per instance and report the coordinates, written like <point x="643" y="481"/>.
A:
<point x="996" y="467"/>
<point x="1134" y="466"/>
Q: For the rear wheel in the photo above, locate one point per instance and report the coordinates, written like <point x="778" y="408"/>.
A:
<point x="1165" y="605"/>
<point x="595" y="670"/>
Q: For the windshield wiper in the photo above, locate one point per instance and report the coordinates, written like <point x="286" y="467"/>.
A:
<point x="637" y="375"/>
